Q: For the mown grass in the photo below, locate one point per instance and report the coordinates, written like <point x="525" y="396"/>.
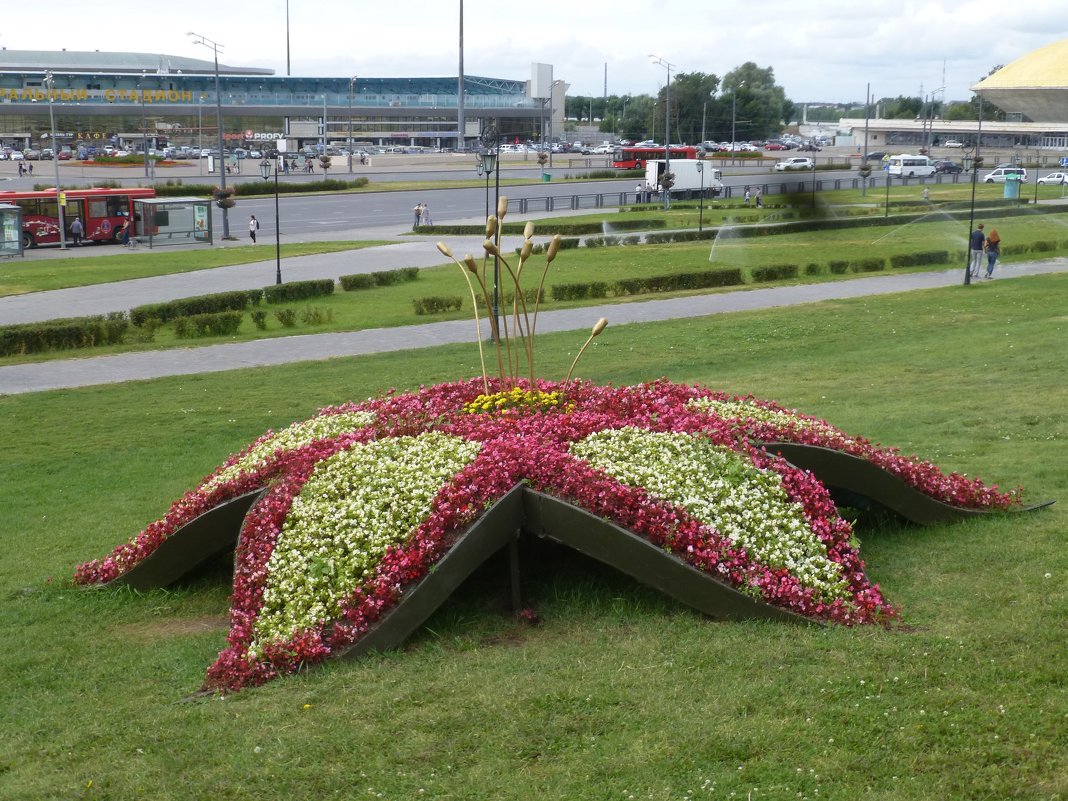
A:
<point x="37" y="275"/>
<point x="392" y="305"/>
<point x="618" y="692"/>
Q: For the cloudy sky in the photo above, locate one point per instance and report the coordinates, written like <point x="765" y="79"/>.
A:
<point x="820" y="50"/>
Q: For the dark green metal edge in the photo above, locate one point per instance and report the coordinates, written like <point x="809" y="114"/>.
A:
<point x="635" y="556"/>
<point x="523" y="510"/>
<point x="194" y="543"/>
<point x="848" y="476"/>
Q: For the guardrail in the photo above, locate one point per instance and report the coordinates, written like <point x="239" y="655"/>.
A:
<point x="599" y="200"/>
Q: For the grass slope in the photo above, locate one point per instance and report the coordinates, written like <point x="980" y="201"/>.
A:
<point x="619" y="693"/>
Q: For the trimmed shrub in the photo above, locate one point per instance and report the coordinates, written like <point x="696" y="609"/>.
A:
<point x="351" y="283"/>
<point x="238" y="300"/>
<point x="390" y="277"/>
<point x="813" y="269"/>
<point x="298" y="290"/>
<point x="313" y="315"/>
<point x="838" y="267"/>
<point x="530" y="297"/>
<point x="208" y="325"/>
<point x="918" y="259"/>
<point x="437" y="304"/>
<point x="259" y="319"/>
<point x="64" y="334"/>
<point x="286" y="316"/>
<point x="774" y="272"/>
<point x="869" y="265"/>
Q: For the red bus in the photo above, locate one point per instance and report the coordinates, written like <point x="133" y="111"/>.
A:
<point x="634" y="158"/>
<point x="102" y="212"/>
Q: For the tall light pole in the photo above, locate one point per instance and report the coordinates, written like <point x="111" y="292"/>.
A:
<point x="550" y="144"/>
<point x="667" y="125"/>
<point x="214" y="47"/>
<point x="489" y="162"/>
<point x="265" y="171"/>
<point x="977" y="162"/>
<point x="352" y="81"/>
<point x="49" y="82"/>
<point x="144" y="126"/>
<point x="701" y="170"/>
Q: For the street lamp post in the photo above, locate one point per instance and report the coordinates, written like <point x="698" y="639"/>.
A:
<point x="144" y="126"/>
<point x="977" y="162"/>
<point x="50" y="81"/>
<point x="701" y="203"/>
<point x="667" y="125"/>
<point x="489" y="162"/>
<point x="352" y="81"/>
<point x="214" y="47"/>
<point x="265" y="171"/>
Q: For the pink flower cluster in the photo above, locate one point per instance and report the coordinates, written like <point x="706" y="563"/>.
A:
<point x="521" y="445"/>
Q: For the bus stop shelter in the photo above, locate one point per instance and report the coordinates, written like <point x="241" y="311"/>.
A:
<point x="174" y="221"/>
<point x="10" y="230"/>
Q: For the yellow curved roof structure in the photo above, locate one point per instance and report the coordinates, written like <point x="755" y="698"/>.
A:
<point x="1034" y="86"/>
<point x="1045" y="67"/>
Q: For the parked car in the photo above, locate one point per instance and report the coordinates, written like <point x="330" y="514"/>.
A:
<point x="774" y="146"/>
<point x="948" y="167"/>
<point x="16" y="155"/>
<point x="952" y="143"/>
<point x="1054" y="178"/>
<point x="999" y="174"/>
<point x="32" y="154"/>
<point x="795" y="163"/>
<point x="65" y="155"/>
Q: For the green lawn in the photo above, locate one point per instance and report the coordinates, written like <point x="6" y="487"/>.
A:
<point x="38" y="275"/>
<point x="392" y="305"/>
<point x="619" y="693"/>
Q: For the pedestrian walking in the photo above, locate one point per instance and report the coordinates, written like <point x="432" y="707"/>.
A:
<point x="759" y="197"/>
<point x="975" y="245"/>
<point x="253" y="227"/>
<point x="76" y="231"/>
<point x="426" y="215"/>
<point x="747" y="196"/>
<point x="417" y="211"/>
<point x="993" y="250"/>
<point x="638" y="194"/>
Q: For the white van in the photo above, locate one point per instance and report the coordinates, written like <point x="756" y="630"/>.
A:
<point x="998" y="175"/>
<point x="908" y="166"/>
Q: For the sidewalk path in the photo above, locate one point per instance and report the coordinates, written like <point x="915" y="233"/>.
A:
<point x="90" y="371"/>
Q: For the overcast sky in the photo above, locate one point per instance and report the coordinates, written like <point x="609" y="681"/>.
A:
<point x="820" y="50"/>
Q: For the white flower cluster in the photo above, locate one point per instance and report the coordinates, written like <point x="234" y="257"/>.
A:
<point x="744" y="410"/>
<point x="295" y="436"/>
<point x="723" y="490"/>
<point x="354" y="506"/>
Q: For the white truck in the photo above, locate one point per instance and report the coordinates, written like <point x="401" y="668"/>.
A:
<point x="687" y="176"/>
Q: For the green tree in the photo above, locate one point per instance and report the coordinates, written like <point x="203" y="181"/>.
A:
<point x="753" y="102"/>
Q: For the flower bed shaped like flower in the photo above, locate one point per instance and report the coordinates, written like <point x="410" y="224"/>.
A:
<point x="363" y="500"/>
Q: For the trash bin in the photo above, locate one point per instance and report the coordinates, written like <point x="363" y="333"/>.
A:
<point x="1012" y="186"/>
<point x="546" y="177"/>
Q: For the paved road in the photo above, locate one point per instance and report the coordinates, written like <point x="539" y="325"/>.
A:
<point x="90" y="371"/>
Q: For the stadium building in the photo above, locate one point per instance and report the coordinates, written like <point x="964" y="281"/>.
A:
<point x="124" y="99"/>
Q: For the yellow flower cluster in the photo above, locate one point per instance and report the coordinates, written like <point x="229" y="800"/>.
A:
<point x="517" y="398"/>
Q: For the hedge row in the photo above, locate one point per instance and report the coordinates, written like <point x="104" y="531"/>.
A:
<point x="350" y="283"/>
<point x="78" y="332"/>
<point x="178" y="189"/>
<point x="437" y="304"/>
<point x="918" y="259"/>
<point x="549" y="227"/>
<point x="238" y="300"/>
<point x="648" y="284"/>
<point x="298" y="290"/>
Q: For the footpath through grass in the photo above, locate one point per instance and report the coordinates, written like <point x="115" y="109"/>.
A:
<point x="389" y="306"/>
<point x="619" y="692"/>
